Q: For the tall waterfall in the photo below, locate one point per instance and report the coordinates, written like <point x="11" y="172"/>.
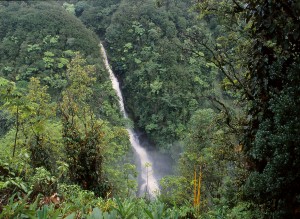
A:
<point x="149" y="184"/>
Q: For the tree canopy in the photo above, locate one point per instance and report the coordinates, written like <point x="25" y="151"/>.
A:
<point x="212" y="84"/>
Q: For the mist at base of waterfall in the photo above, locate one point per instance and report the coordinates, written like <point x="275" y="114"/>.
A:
<point x="162" y="164"/>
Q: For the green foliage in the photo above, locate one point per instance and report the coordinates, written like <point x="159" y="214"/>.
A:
<point x="31" y="113"/>
<point x="261" y="67"/>
<point x="36" y="57"/>
<point x="36" y="45"/>
<point x="96" y="14"/>
<point x="124" y="209"/>
<point x="76" y="202"/>
<point x="47" y="212"/>
<point x="40" y="142"/>
<point x="42" y="182"/>
<point x="271" y="137"/>
<point x="158" y="79"/>
<point x="69" y="8"/>
<point x="91" y="144"/>
<point x="208" y="145"/>
<point x="171" y="66"/>
<point x="76" y="199"/>
<point x="17" y="209"/>
<point x="82" y="132"/>
<point x="11" y="183"/>
<point x="174" y="190"/>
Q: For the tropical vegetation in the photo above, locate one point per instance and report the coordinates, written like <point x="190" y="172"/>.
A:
<point x="213" y="84"/>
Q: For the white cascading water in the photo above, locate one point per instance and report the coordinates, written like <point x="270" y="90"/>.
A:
<point x="150" y="183"/>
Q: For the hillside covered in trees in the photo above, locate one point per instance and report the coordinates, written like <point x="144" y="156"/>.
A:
<point x="212" y="84"/>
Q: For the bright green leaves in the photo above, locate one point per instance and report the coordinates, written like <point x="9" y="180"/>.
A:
<point x="6" y="88"/>
<point x="175" y="190"/>
<point x="81" y="130"/>
<point x="201" y="82"/>
<point x="200" y="54"/>
<point x="31" y="113"/>
<point x="34" y="47"/>
<point x="62" y="62"/>
<point x="138" y="28"/>
<point x="50" y="39"/>
<point x="127" y="47"/>
<point x="70" y="8"/>
<point x="48" y="59"/>
<point x="40" y="140"/>
<point x="156" y="86"/>
<point x="81" y="77"/>
<point x="40" y="102"/>
<point x="16" y="105"/>
<point x="137" y="61"/>
<point x="91" y="144"/>
<point x="48" y="54"/>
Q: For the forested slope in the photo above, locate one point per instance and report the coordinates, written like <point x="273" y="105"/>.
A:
<point x="166" y="56"/>
<point x="39" y="41"/>
<point x="60" y="118"/>
<point x="213" y="83"/>
<point x="163" y="84"/>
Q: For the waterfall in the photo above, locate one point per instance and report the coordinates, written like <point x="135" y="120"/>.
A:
<point x="149" y="184"/>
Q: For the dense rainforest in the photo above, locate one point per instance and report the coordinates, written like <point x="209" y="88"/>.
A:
<point x="212" y="84"/>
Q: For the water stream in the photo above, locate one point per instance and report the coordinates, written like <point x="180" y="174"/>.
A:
<point x="149" y="183"/>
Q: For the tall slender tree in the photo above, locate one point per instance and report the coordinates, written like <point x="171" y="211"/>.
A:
<point x="82" y="132"/>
